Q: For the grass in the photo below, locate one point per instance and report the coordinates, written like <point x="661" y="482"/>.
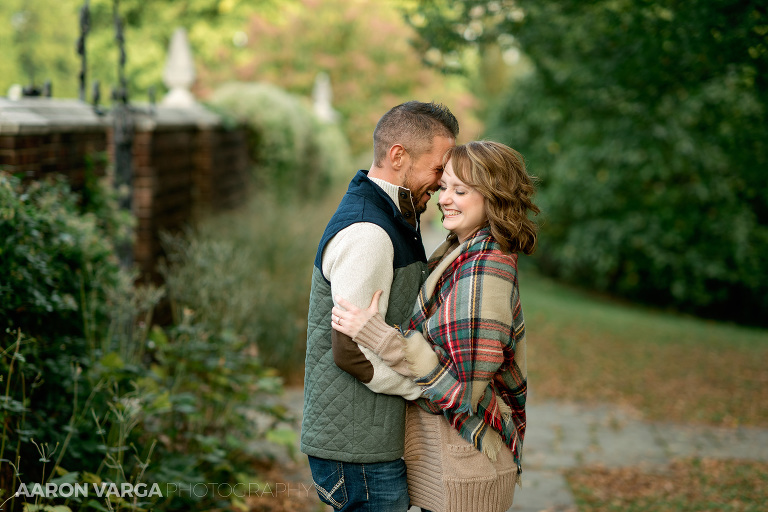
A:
<point x="590" y="349"/>
<point x="688" y="484"/>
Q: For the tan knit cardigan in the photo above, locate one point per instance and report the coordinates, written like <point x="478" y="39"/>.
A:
<point x="448" y="474"/>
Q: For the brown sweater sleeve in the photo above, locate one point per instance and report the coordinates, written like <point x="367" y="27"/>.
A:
<point x="348" y="356"/>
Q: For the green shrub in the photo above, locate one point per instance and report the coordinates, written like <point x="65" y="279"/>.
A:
<point x="90" y="393"/>
<point x="627" y="209"/>
<point x="294" y="153"/>
<point x="249" y="272"/>
<point x="49" y="245"/>
<point x="200" y="398"/>
<point x="58" y="272"/>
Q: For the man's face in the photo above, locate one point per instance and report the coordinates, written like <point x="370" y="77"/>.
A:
<point x="423" y="175"/>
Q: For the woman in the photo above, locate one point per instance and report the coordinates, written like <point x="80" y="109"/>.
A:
<point x="465" y="344"/>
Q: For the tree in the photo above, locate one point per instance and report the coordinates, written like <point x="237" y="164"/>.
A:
<point x="646" y="123"/>
<point x="364" y="47"/>
<point x="31" y="40"/>
<point x="41" y="42"/>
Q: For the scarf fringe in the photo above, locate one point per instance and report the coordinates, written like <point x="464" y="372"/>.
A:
<point x="504" y="409"/>
<point x="492" y="443"/>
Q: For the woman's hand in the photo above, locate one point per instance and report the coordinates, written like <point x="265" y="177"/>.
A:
<point x="349" y="319"/>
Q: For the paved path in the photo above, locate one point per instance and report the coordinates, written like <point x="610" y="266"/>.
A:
<point x="562" y="436"/>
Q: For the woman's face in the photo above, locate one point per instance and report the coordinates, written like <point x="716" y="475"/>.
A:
<point x="462" y="205"/>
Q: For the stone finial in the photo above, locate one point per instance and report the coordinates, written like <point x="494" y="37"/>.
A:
<point x="179" y="73"/>
<point x="321" y="98"/>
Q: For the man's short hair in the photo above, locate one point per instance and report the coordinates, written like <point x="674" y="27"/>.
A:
<point x="414" y="125"/>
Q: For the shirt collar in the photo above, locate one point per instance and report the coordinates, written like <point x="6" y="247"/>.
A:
<point x="402" y="198"/>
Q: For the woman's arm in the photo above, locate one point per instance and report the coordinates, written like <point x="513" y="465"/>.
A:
<point x="471" y="330"/>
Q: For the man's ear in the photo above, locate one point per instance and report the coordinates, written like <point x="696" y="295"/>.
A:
<point x="397" y="156"/>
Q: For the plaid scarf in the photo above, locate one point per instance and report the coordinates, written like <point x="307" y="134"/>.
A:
<point x="472" y="315"/>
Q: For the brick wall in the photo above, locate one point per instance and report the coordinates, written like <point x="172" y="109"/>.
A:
<point x="42" y="136"/>
<point x="185" y="163"/>
<point x="64" y="153"/>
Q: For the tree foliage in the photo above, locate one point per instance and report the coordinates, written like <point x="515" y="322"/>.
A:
<point x="363" y="46"/>
<point x="41" y="42"/>
<point x="646" y="123"/>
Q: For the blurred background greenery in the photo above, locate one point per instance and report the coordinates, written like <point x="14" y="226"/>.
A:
<point x="644" y="121"/>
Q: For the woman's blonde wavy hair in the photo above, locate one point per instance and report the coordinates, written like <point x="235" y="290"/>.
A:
<point x="498" y="173"/>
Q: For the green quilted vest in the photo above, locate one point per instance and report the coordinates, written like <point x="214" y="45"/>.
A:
<point x="343" y="419"/>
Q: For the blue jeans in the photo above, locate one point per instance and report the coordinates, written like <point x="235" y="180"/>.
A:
<point x="347" y="486"/>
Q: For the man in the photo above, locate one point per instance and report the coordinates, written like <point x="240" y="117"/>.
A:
<point x="354" y="413"/>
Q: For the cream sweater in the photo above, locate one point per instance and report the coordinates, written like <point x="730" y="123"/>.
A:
<point x="367" y="246"/>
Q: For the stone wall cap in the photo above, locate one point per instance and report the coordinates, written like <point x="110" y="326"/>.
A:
<point x="43" y="115"/>
<point x="170" y="117"/>
<point x="46" y="115"/>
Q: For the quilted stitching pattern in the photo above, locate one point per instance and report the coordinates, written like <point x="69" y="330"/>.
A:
<point x="409" y="279"/>
<point x="343" y="419"/>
